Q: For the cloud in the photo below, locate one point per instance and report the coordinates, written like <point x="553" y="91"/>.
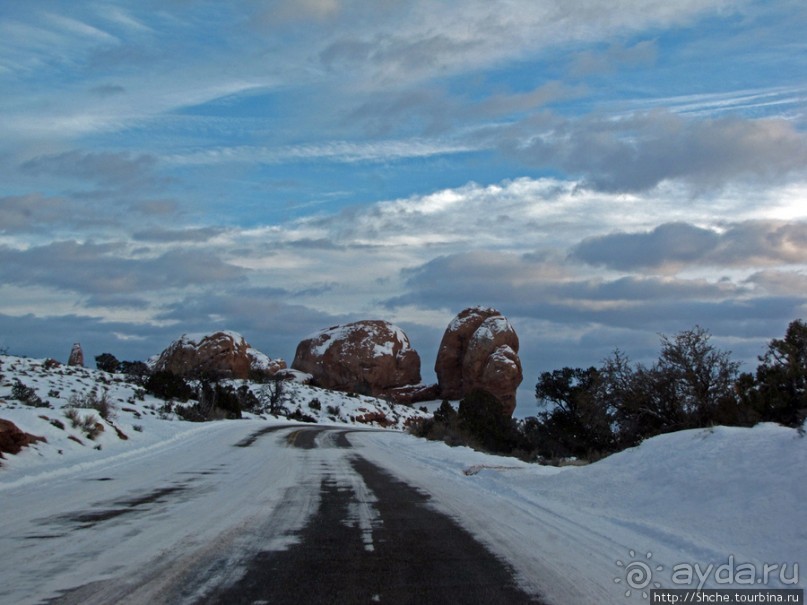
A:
<point x="347" y="152"/>
<point x="433" y="111"/>
<point x="189" y="235"/>
<point x="155" y="208"/>
<point x="574" y="305"/>
<point x="396" y="48"/>
<point x="103" y="168"/>
<point x="107" y="90"/>
<point x="508" y="278"/>
<point x="781" y="283"/>
<point x="29" y="213"/>
<point x="674" y="245"/>
<point x="671" y="243"/>
<point x="641" y="151"/>
<point x="614" y="57"/>
<point x="284" y="12"/>
<point x="564" y="317"/>
<point x="107" y="269"/>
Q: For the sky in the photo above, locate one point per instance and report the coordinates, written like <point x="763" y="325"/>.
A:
<point x="600" y="172"/>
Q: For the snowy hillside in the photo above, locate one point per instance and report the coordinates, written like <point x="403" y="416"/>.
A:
<point x="138" y="419"/>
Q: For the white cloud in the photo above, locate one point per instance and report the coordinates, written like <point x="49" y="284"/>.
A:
<point x="335" y="151"/>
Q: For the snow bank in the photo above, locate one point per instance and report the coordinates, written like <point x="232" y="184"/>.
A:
<point x="694" y="498"/>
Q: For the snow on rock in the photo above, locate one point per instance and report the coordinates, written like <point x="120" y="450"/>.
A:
<point x="479" y="350"/>
<point x="222" y="354"/>
<point x="370" y="356"/>
<point x="76" y="356"/>
<point x="292" y="375"/>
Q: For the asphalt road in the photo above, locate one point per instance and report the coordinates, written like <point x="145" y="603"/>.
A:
<point x="414" y="554"/>
<point x="268" y="515"/>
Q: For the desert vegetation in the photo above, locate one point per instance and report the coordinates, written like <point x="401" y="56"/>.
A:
<point x="588" y="413"/>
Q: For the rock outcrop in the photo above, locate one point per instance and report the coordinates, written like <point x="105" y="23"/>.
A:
<point x="479" y="350"/>
<point x="76" y="356"/>
<point x="218" y="355"/>
<point x="371" y="357"/>
<point x="13" y="439"/>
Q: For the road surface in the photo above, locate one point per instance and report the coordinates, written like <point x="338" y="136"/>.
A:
<point x="240" y="513"/>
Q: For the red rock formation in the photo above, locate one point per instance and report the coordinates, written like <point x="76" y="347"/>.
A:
<point x="451" y="354"/>
<point x="219" y="355"/>
<point x="76" y="356"/>
<point x="371" y="357"/>
<point x="414" y="393"/>
<point x="479" y="350"/>
<point x="12" y="439"/>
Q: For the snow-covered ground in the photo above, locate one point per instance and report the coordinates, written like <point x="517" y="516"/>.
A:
<point x="138" y="418"/>
<point x="687" y="502"/>
<point x="715" y="506"/>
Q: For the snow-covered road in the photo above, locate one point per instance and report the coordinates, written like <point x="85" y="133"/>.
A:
<point x="202" y="518"/>
<point x="138" y="526"/>
<point x="180" y="520"/>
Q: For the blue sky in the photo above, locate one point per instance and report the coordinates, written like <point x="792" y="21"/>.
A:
<point x="599" y="172"/>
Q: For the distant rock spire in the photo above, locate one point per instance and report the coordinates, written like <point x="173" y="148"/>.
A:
<point x="76" y="356"/>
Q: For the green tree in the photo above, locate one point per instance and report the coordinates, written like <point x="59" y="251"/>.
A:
<point x="698" y="377"/>
<point x="167" y="385"/>
<point x="576" y="417"/>
<point x="107" y="362"/>
<point x="480" y="417"/>
<point x="779" y="393"/>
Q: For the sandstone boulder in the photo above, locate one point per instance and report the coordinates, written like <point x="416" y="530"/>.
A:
<point x="451" y="354"/>
<point x="371" y="357"/>
<point x="218" y="355"/>
<point x="479" y="350"/>
<point x="76" y="356"/>
<point x="13" y="439"/>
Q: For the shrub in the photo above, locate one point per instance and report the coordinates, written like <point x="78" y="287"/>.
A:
<point x="106" y="362"/>
<point x="91" y="400"/>
<point x="315" y="404"/>
<point x="218" y="401"/>
<point x="479" y="423"/>
<point x="191" y="413"/>
<point x="247" y="399"/>
<point x="50" y="364"/>
<point x="73" y="416"/>
<point x="271" y="396"/>
<point x="87" y="423"/>
<point x="480" y="416"/>
<point x="167" y="385"/>
<point x="27" y="395"/>
<point x="57" y="423"/>
<point x="135" y="371"/>
<point x="300" y="416"/>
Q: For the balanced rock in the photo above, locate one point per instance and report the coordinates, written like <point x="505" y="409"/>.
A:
<point x="479" y="350"/>
<point x="76" y="356"/>
<point x="372" y="357"/>
<point x="222" y="354"/>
